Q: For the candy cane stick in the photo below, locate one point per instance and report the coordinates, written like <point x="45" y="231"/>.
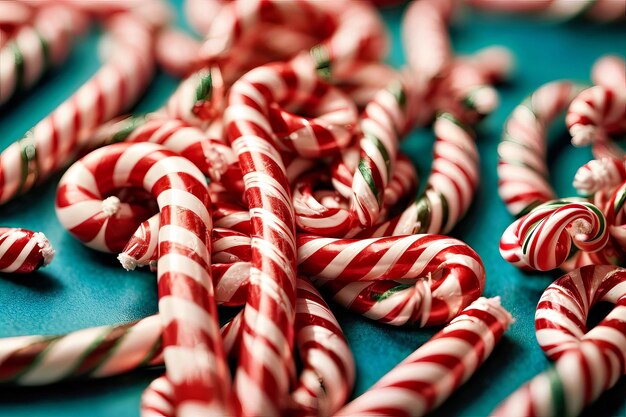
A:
<point x="57" y="139"/>
<point x="37" y="47"/>
<point x="522" y="170"/>
<point x="23" y="251"/>
<point x="542" y="239"/>
<point x="428" y="376"/>
<point x="261" y="380"/>
<point x="587" y="362"/>
<point x="192" y="344"/>
<point x="96" y="352"/>
<point x="424" y="279"/>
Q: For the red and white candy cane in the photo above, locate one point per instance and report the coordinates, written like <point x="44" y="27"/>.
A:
<point x="193" y="349"/>
<point x="35" y="47"/>
<point x="23" y="251"/>
<point x="95" y="352"/>
<point x="599" y="175"/>
<point x="261" y="381"/>
<point x="587" y="362"/>
<point x="522" y="169"/>
<point x="450" y="188"/>
<point x="542" y="239"/>
<point x="599" y="113"/>
<point x="427" y="377"/>
<point x="426" y="40"/>
<point x="55" y="140"/>
<point x="424" y="279"/>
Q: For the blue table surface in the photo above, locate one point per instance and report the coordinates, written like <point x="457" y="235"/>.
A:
<point x="82" y="288"/>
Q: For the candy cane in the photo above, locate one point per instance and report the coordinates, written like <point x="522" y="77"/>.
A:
<point x="96" y="352"/>
<point x="261" y="380"/>
<point x="522" y="170"/>
<point x="57" y="139"/>
<point x="542" y="239"/>
<point x="424" y="279"/>
<point x="426" y="40"/>
<point x="427" y="377"/>
<point x="37" y="47"/>
<point x="192" y="344"/>
<point x="587" y="362"/>
<point x="23" y="251"/>
<point x="450" y="188"/>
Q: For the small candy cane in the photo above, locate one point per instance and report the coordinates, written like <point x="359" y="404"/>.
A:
<point x="23" y="251"/>
<point x="426" y="378"/>
<point x="587" y="362"/>
<point x="542" y="239"/>
<point x="522" y="169"/>
<point x="450" y="188"/>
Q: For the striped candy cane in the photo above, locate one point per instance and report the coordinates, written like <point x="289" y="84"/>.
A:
<point x="522" y="170"/>
<point x="427" y="377"/>
<point x="587" y="362"/>
<point x="23" y="251"/>
<point x="261" y="381"/>
<point x="192" y="345"/>
<point x="450" y="188"/>
<point x="424" y="279"/>
<point x="57" y="139"/>
<point x="542" y="239"/>
<point x="96" y="352"/>
<point x="36" y="47"/>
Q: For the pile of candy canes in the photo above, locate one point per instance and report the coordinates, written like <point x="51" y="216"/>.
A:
<point x="273" y="176"/>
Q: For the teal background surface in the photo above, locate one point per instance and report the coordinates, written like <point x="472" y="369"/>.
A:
<point x="82" y="288"/>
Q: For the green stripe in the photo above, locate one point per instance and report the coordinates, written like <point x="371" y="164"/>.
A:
<point x="204" y="89"/>
<point x="322" y="61"/>
<point x="423" y="213"/>
<point x="444" y="209"/>
<point x="128" y="126"/>
<point x="38" y="358"/>
<point x="28" y="153"/>
<point x="380" y="297"/>
<point x="450" y="117"/>
<point x="397" y="90"/>
<point x="45" y="49"/>
<point x="19" y="66"/>
<point x="383" y="151"/>
<point x="558" y="393"/>
<point x="92" y="346"/>
<point x="151" y="353"/>
<point x="367" y="176"/>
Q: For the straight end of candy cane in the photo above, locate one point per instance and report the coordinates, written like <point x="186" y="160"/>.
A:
<point x="128" y="262"/>
<point x="45" y="248"/>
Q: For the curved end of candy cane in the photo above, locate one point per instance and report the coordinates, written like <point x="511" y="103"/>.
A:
<point x="45" y="248"/>
<point x="128" y="262"/>
<point x="110" y="205"/>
